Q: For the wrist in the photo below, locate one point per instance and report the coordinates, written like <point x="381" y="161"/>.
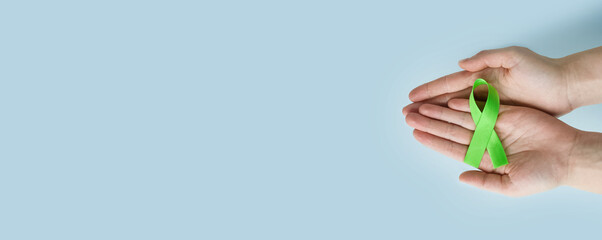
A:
<point x="583" y="77"/>
<point x="571" y="79"/>
<point x="585" y="162"/>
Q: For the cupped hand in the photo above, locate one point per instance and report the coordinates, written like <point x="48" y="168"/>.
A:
<point x="521" y="77"/>
<point x="538" y="145"/>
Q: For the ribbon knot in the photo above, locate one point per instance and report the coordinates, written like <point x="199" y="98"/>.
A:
<point x="484" y="136"/>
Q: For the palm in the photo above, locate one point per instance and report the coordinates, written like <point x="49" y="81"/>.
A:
<point x="536" y="158"/>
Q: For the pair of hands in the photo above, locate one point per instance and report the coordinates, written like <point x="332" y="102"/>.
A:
<point x="533" y="89"/>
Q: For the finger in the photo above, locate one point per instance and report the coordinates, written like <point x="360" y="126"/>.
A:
<point x="439" y="100"/>
<point x="462" y="105"/>
<point x="439" y="128"/>
<point x="494" y="58"/>
<point x="460" y="118"/>
<point x="452" y="149"/>
<point x="446" y="147"/>
<point x="494" y="182"/>
<point x="447" y="84"/>
<point x="459" y="105"/>
<point x="412" y="107"/>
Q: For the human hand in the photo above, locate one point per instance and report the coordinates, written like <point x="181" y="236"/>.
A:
<point x="521" y="77"/>
<point x="538" y="145"/>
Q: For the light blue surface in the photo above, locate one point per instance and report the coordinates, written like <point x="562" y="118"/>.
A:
<point x="259" y="120"/>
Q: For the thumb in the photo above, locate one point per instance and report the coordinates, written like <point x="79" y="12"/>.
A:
<point x="494" y="58"/>
<point x="491" y="182"/>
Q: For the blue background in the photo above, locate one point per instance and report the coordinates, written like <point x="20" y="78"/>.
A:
<point x="259" y="119"/>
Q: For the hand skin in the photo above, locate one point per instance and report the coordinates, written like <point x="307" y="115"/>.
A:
<point x="522" y="77"/>
<point x="543" y="152"/>
<point x="586" y="163"/>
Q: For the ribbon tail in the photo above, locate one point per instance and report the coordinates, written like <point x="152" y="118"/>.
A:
<point x="479" y="142"/>
<point x="496" y="151"/>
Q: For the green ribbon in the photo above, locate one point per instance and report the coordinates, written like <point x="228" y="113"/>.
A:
<point x="484" y="136"/>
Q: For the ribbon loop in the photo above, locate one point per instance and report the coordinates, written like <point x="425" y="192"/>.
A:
<point x="484" y="136"/>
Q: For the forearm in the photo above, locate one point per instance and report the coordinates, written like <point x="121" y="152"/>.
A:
<point x="585" y="162"/>
<point x="584" y="77"/>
